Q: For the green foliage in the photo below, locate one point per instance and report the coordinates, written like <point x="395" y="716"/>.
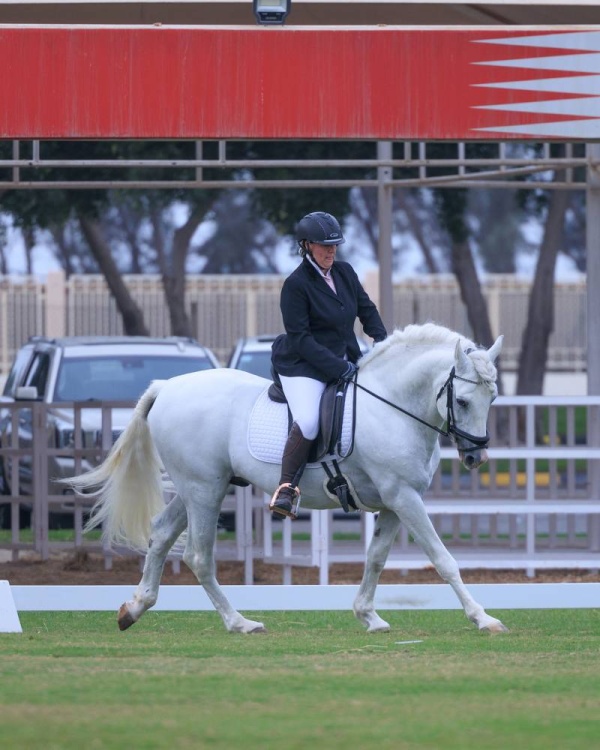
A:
<point x="316" y="679"/>
<point x="286" y="206"/>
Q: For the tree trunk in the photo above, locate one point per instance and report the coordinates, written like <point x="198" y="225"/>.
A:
<point x="364" y="206"/>
<point x="406" y="203"/>
<point x="173" y="273"/>
<point x="28" y="244"/>
<point x="130" y="224"/>
<point x="63" y="251"/>
<point x="540" y="316"/>
<point x="464" y="269"/>
<point x="452" y="206"/>
<point x="133" y="318"/>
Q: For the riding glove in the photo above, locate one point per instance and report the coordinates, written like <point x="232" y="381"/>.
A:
<point x="349" y="372"/>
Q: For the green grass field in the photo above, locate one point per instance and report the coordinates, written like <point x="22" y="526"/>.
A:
<point x="316" y="679"/>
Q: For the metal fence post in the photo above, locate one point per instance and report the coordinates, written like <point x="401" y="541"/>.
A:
<point x="40" y="479"/>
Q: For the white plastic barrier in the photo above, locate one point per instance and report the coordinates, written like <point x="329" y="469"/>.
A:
<point x="9" y="619"/>
<point x="246" y="598"/>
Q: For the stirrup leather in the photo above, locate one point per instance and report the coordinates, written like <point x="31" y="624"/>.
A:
<point x="292" y="512"/>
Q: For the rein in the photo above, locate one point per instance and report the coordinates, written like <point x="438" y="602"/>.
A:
<point x="451" y="427"/>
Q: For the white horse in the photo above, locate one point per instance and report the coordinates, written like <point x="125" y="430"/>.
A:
<point x="196" y="426"/>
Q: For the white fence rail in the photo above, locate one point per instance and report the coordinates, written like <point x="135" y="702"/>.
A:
<point x="536" y="505"/>
<point x="224" y="308"/>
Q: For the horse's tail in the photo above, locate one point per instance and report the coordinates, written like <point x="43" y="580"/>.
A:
<point x="128" y="483"/>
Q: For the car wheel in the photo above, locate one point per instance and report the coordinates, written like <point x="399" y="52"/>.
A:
<point x="226" y="522"/>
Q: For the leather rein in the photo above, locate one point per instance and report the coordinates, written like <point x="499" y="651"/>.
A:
<point x="451" y="427"/>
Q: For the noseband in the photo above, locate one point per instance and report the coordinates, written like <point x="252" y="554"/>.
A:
<point x="477" y="442"/>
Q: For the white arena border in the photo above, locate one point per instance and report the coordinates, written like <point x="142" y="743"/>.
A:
<point x="337" y="597"/>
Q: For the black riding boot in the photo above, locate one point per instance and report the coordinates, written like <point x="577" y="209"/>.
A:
<point x="295" y="455"/>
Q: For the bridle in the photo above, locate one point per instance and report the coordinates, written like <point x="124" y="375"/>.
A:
<point x="477" y="442"/>
<point x="451" y="427"/>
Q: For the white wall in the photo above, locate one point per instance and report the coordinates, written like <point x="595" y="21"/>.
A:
<point x="555" y="384"/>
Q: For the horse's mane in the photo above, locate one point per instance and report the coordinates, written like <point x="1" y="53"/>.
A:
<point x="431" y="335"/>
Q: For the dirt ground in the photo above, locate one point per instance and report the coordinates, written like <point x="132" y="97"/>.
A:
<point x="81" y="568"/>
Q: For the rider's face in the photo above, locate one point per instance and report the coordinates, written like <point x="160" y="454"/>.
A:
<point x="324" y="255"/>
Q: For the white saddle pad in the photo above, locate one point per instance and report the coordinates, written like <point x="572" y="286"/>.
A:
<point x="268" y="429"/>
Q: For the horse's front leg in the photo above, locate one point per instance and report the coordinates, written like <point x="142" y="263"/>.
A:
<point x="166" y="529"/>
<point x="413" y="515"/>
<point x="385" y="532"/>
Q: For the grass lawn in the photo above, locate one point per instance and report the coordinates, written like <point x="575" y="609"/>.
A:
<point x="316" y="679"/>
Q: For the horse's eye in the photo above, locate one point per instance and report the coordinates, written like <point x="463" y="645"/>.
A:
<point x="462" y="403"/>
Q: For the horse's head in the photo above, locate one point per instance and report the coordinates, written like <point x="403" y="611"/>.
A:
<point x="469" y="392"/>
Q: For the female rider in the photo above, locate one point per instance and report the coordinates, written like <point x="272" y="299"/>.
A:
<point x="320" y="302"/>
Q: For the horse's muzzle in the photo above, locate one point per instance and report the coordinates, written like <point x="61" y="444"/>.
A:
<point x="473" y="459"/>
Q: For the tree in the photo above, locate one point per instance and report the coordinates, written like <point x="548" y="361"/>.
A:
<point x="540" y="316"/>
<point x="241" y="242"/>
<point x="451" y="205"/>
<point x="496" y="222"/>
<point x="284" y="207"/>
<point x="133" y="318"/>
<point x="49" y="209"/>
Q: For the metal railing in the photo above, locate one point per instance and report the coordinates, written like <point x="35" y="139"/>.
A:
<point x="416" y="164"/>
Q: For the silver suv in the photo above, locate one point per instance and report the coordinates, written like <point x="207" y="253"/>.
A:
<point x="253" y="354"/>
<point x="99" y="368"/>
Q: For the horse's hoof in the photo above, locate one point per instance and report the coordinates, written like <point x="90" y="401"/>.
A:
<point x="379" y="629"/>
<point x="124" y="618"/>
<point x="495" y="628"/>
<point x="247" y="626"/>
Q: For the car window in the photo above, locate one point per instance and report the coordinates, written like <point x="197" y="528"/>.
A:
<point x="15" y="375"/>
<point x="258" y="363"/>
<point x="119" y="378"/>
<point x="37" y="375"/>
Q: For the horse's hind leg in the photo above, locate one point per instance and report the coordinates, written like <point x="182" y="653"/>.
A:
<point x="166" y="528"/>
<point x="386" y="529"/>
<point x="203" y="514"/>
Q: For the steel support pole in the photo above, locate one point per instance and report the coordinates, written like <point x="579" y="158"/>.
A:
<point x="384" y="217"/>
<point x="593" y="268"/>
<point x="593" y="321"/>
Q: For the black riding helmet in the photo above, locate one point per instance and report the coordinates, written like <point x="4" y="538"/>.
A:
<point x="319" y="227"/>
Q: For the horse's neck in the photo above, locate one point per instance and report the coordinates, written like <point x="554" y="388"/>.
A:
<point x="411" y="378"/>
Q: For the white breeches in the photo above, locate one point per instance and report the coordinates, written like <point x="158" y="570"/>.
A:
<point x="304" y="398"/>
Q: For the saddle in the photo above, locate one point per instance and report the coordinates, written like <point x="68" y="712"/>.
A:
<point x="331" y="417"/>
<point x="327" y="444"/>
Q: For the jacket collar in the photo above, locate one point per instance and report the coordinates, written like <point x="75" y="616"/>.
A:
<point x="314" y="268"/>
<point x="316" y="273"/>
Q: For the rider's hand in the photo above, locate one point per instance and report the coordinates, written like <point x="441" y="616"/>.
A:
<point x="349" y="372"/>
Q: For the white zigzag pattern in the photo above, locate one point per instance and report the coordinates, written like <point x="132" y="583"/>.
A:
<point x="576" y="40"/>
<point x="568" y="85"/>
<point x="589" y="107"/>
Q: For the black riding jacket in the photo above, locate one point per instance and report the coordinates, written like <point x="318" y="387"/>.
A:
<point x="319" y="323"/>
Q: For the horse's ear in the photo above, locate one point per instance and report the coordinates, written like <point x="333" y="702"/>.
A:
<point x="495" y="348"/>
<point x="462" y="361"/>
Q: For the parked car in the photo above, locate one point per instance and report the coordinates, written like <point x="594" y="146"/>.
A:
<point x="99" y="368"/>
<point x="253" y="354"/>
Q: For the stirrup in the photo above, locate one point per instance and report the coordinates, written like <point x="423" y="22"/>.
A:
<point x="287" y="508"/>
